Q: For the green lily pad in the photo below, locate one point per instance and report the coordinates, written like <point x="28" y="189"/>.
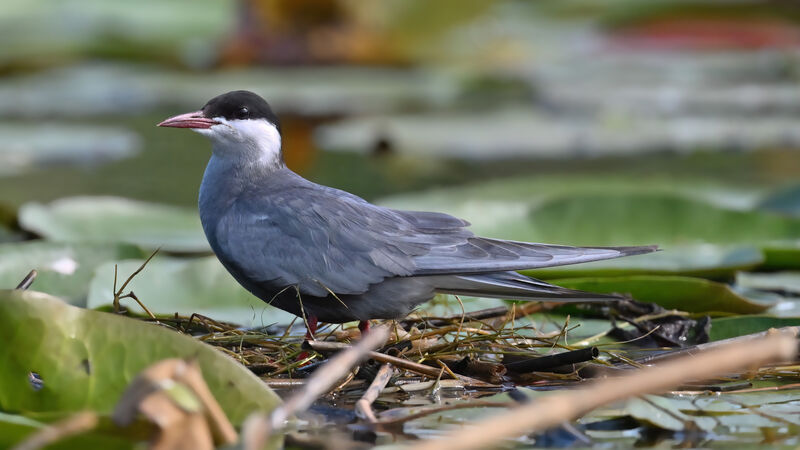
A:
<point x="85" y="359"/>
<point x="783" y="201"/>
<point x="728" y="327"/>
<point x="65" y="269"/>
<point x="197" y="285"/>
<point x="627" y="211"/>
<point x="788" y="282"/>
<point x="26" y="147"/>
<point x="114" y="219"/>
<point x="14" y="428"/>
<point x="672" y="292"/>
<point x="661" y="412"/>
<point x="781" y="256"/>
<point x="705" y="261"/>
<point x="643" y="219"/>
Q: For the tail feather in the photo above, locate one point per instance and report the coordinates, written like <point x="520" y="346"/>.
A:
<point x="513" y="286"/>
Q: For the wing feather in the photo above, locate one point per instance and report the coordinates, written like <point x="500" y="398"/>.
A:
<point x="324" y="240"/>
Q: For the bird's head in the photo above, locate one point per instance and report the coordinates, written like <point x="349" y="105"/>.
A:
<point x="240" y="125"/>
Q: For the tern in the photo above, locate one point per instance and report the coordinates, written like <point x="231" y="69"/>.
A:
<point x="326" y="255"/>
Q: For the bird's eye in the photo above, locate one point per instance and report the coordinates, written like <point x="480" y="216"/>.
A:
<point x="243" y="112"/>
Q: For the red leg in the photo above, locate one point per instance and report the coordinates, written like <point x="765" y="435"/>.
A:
<point x="364" y="327"/>
<point x="311" y="327"/>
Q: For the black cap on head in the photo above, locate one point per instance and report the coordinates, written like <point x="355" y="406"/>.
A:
<point x="240" y="105"/>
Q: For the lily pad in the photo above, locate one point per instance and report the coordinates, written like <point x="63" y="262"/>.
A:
<point x="663" y="219"/>
<point x="64" y="269"/>
<point x="782" y="256"/>
<point x="26" y="147"/>
<point x="783" y="201"/>
<point x="728" y="327"/>
<point x="524" y="132"/>
<point x="605" y="211"/>
<point x="115" y="219"/>
<point x="14" y="428"/>
<point x="672" y="292"/>
<point x="198" y="285"/>
<point x="705" y="261"/>
<point x="661" y="412"/>
<point x="784" y="282"/>
<point x="83" y="359"/>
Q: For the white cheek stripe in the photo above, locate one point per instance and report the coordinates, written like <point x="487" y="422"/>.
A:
<point x="254" y="140"/>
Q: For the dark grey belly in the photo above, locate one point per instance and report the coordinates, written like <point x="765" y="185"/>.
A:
<point x="393" y="298"/>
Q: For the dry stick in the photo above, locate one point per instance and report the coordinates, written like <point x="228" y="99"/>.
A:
<point x="72" y="425"/>
<point x="258" y="428"/>
<point x="557" y="408"/>
<point x="511" y="312"/>
<point x="364" y="404"/>
<point x="118" y="292"/>
<point x="27" y="281"/>
<point x="701" y="348"/>
<point x="401" y="363"/>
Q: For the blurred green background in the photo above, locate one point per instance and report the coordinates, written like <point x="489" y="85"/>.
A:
<point x="400" y="95"/>
<point x="571" y="121"/>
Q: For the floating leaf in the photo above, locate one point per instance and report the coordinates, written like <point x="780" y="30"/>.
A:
<point x="662" y="219"/>
<point x="85" y="359"/>
<point x="728" y="327"/>
<point x="25" y="147"/>
<point x="672" y="292"/>
<point x="198" y="285"/>
<point x="114" y="219"/>
<point x="782" y="256"/>
<point x="706" y="261"/>
<point x="64" y="269"/>
<point x="660" y="412"/>
<point x="785" y="282"/>
<point x="783" y="201"/>
<point x="14" y="428"/>
<point x="506" y="132"/>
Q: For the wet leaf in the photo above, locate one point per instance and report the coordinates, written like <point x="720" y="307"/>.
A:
<point x="706" y="261"/>
<point x="114" y="219"/>
<point x="198" y="285"/>
<point x="661" y="413"/>
<point x="672" y="292"/>
<point x="85" y="359"/>
<point x="64" y="269"/>
<point x="728" y="327"/>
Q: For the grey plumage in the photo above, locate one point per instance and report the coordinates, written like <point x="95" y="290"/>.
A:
<point x="317" y="251"/>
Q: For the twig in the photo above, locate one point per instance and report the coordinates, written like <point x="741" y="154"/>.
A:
<point x="118" y="292"/>
<point x="72" y="425"/>
<point x="701" y="348"/>
<point x="555" y="409"/>
<point x="146" y="310"/>
<point x="27" y="281"/>
<point x="490" y="313"/>
<point x="422" y="369"/>
<point x="364" y="404"/>
<point x="258" y="428"/>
